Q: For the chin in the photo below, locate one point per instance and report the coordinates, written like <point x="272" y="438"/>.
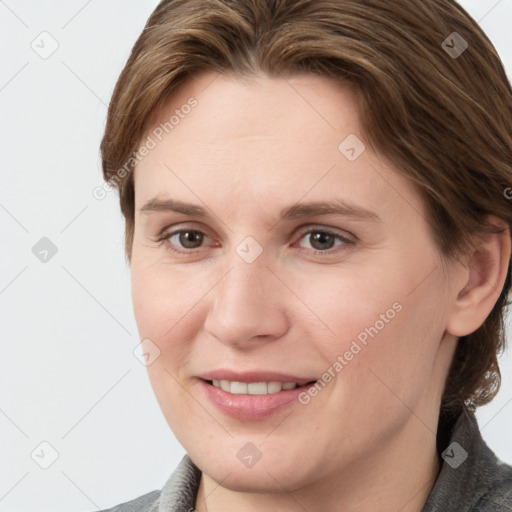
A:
<point x="269" y="474"/>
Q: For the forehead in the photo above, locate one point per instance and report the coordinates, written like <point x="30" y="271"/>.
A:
<point x="265" y="138"/>
<point x="245" y="106"/>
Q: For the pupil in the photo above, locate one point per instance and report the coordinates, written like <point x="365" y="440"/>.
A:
<point x="322" y="238"/>
<point x="188" y="237"/>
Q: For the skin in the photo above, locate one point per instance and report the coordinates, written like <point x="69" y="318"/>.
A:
<point x="367" y="440"/>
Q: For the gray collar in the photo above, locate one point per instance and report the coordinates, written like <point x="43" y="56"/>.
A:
<point x="472" y="478"/>
<point x="180" y="491"/>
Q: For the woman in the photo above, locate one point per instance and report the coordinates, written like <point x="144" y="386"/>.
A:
<point x="318" y="230"/>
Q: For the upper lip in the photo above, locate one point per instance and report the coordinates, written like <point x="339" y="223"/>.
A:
<point x="254" y="376"/>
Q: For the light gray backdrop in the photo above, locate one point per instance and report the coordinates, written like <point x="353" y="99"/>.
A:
<point x="73" y="396"/>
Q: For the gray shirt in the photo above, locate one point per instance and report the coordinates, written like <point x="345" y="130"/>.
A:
<point x="471" y="479"/>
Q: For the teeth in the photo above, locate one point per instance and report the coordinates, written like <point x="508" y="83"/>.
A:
<point x="274" y="387"/>
<point x="253" y="388"/>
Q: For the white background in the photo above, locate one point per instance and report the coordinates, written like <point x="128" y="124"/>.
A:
<point x="68" y="373"/>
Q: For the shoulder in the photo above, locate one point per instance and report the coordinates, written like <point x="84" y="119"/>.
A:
<point x="146" y="503"/>
<point x="178" y="494"/>
<point x="472" y="478"/>
<point x="498" y="496"/>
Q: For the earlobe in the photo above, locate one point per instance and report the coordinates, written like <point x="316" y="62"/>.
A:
<point x="484" y="275"/>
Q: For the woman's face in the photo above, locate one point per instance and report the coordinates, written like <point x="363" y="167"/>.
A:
<point x="301" y="256"/>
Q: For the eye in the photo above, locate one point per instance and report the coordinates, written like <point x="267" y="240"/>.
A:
<point x="323" y="240"/>
<point x="188" y="239"/>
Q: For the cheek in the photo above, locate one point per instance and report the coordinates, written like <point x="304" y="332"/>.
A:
<point x="351" y="303"/>
<point x="163" y="304"/>
<point x="166" y="297"/>
<point x="178" y="405"/>
<point x="398" y="352"/>
<point x="163" y="307"/>
<point x="386" y="329"/>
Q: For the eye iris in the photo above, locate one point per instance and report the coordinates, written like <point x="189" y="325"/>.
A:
<point x="187" y="237"/>
<point x="322" y="238"/>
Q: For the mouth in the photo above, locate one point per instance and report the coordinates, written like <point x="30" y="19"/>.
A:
<point x="256" y="388"/>
<point x="253" y="394"/>
<point x="254" y="399"/>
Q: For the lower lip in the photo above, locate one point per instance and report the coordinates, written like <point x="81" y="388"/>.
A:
<point x="251" y="407"/>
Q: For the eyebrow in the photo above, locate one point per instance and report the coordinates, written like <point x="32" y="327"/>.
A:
<point x="295" y="211"/>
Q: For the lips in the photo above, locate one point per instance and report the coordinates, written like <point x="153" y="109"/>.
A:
<point x="245" y="399"/>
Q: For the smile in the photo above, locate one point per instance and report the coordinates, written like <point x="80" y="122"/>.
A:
<point x="252" y="400"/>
<point x="253" y="388"/>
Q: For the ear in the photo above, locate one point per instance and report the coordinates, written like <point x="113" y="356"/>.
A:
<point x="481" y="281"/>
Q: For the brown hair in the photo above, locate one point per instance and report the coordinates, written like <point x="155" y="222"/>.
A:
<point x="445" y="120"/>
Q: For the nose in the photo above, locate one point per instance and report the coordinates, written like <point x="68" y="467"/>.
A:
<point x="248" y="305"/>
